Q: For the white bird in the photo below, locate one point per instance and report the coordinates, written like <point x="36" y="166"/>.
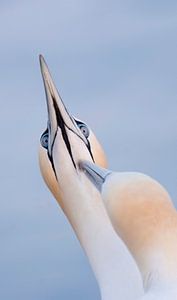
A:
<point x="143" y="215"/>
<point x="64" y="144"/>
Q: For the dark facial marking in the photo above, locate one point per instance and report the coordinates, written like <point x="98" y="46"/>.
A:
<point x="51" y="157"/>
<point x="89" y="149"/>
<point x="44" y="139"/>
<point x="46" y="147"/>
<point x="61" y="124"/>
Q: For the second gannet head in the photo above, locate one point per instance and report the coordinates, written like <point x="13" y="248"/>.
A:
<point x="143" y="215"/>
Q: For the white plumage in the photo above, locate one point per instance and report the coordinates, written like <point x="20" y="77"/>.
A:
<point x="64" y="144"/>
<point x="143" y="215"/>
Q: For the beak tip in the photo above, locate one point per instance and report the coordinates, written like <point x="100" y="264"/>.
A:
<point x="42" y="62"/>
<point x="81" y="165"/>
<point x="41" y="57"/>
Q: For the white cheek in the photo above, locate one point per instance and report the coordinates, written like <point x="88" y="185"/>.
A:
<point x="46" y="169"/>
<point x="97" y="151"/>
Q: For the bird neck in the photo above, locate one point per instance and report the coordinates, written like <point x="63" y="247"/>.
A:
<point x="145" y="218"/>
<point x="151" y="233"/>
<point x="158" y="261"/>
<point x="106" y="252"/>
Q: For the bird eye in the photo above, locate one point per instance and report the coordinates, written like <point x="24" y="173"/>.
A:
<point x="44" y="140"/>
<point x="84" y="129"/>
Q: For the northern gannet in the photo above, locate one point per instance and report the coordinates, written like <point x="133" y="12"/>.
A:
<point x="143" y="215"/>
<point x="64" y="144"/>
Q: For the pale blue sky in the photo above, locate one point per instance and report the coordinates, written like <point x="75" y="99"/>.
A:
<point x="115" y="65"/>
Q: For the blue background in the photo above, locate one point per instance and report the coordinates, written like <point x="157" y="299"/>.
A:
<point x="115" y="65"/>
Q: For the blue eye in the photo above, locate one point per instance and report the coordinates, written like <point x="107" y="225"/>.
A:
<point x="84" y="129"/>
<point x="44" y="140"/>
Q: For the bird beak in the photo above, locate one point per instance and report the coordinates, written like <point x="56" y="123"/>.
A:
<point x="95" y="174"/>
<point x="58" y="116"/>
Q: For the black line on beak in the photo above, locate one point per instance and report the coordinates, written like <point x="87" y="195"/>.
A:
<point x="61" y="124"/>
<point x="53" y="167"/>
<point x="90" y="151"/>
<point x="51" y="157"/>
<point x="87" y="144"/>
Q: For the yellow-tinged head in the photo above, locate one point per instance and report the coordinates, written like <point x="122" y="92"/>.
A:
<point x="143" y="215"/>
<point x="66" y="136"/>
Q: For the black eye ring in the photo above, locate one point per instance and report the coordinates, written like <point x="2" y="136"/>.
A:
<point x="44" y="140"/>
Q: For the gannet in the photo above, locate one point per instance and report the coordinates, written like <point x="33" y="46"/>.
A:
<point x="64" y="144"/>
<point x="143" y="215"/>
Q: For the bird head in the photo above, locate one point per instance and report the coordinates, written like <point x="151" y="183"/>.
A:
<point x="143" y="215"/>
<point x="65" y="141"/>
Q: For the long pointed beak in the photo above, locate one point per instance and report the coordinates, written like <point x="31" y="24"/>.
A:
<point x="58" y="116"/>
<point x="96" y="174"/>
